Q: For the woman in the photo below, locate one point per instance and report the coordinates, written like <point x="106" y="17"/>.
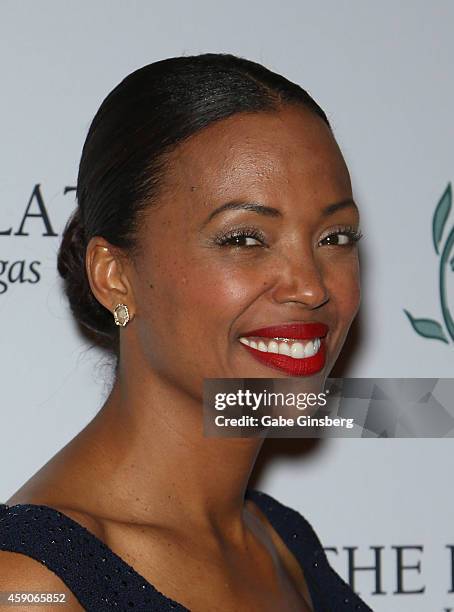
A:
<point x="213" y="201"/>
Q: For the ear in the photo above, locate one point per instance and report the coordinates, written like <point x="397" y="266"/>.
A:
<point x="108" y="274"/>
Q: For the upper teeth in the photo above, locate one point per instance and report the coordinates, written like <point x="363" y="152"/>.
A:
<point x="297" y="349"/>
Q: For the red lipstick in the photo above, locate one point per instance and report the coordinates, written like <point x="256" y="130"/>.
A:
<point x="305" y="366"/>
<point x="297" y="331"/>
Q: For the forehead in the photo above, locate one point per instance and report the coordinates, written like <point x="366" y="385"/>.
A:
<point x="266" y="150"/>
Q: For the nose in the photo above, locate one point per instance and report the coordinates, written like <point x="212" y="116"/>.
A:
<point x="300" y="280"/>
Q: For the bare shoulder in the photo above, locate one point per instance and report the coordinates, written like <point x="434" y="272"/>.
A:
<point x="19" y="573"/>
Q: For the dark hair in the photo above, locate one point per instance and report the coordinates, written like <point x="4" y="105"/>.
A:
<point x="124" y="156"/>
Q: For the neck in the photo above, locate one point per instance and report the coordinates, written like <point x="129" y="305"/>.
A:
<point x="160" y="465"/>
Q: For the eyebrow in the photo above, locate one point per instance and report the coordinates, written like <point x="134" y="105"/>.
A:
<point x="269" y="211"/>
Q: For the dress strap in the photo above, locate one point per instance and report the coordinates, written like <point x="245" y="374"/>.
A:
<point x="98" y="577"/>
<point x="327" y="589"/>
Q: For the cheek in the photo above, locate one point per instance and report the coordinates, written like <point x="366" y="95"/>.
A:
<point x="192" y="299"/>
<point x="209" y="295"/>
<point x="198" y="304"/>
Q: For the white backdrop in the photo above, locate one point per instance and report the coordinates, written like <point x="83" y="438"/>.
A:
<point x="383" y="73"/>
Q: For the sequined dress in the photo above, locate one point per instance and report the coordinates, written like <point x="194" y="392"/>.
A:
<point x="101" y="580"/>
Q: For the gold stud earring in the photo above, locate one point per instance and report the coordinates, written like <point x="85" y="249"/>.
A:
<point x="121" y="315"/>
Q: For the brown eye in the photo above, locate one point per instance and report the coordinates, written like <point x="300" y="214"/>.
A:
<point x="341" y="237"/>
<point x="241" y="238"/>
<point x="242" y="241"/>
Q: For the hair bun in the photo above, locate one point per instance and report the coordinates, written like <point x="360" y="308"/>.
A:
<point x="72" y="248"/>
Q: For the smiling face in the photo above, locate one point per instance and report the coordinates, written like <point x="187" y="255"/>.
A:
<point x="206" y="277"/>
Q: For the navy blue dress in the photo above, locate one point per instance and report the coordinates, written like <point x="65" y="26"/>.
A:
<point x="101" y="580"/>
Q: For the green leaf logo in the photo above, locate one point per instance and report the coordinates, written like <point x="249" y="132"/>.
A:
<point x="428" y="328"/>
<point x="440" y="216"/>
